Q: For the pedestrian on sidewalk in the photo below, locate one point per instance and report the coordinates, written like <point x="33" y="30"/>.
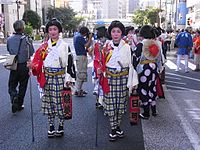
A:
<point x="18" y="78"/>
<point x="82" y="42"/>
<point x="147" y="69"/>
<point x="184" y="43"/>
<point x="120" y="76"/>
<point x="55" y="64"/>
<point x="196" y="50"/>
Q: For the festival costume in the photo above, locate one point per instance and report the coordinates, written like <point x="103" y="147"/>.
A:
<point x="54" y="68"/>
<point x="148" y="68"/>
<point x="119" y="75"/>
<point x="98" y="47"/>
<point x="197" y="53"/>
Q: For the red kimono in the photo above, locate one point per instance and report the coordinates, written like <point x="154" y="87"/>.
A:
<point x="37" y="64"/>
<point x="101" y="57"/>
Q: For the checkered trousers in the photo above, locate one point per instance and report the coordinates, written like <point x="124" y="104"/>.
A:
<point x="115" y="101"/>
<point x="51" y="100"/>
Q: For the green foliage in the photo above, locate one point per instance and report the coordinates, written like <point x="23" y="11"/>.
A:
<point x="148" y="16"/>
<point x="33" y="18"/>
<point x="152" y="15"/>
<point x="37" y="37"/>
<point x="139" y="17"/>
<point x="28" y="29"/>
<point x="66" y="16"/>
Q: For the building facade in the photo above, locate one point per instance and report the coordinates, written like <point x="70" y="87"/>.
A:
<point x="193" y="16"/>
<point x="14" y="10"/>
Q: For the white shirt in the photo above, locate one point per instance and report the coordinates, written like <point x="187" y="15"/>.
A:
<point x="58" y="57"/>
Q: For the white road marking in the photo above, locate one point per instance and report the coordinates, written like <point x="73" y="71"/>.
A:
<point x="189" y="131"/>
<point x="90" y="65"/>
<point x="168" y="73"/>
<point x="182" y="88"/>
<point x="169" y="77"/>
<point x="190" y="65"/>
<point x="2" y="60"/>
<point x="2" y="56"/>
<point x="175" y="82"/>
<point x="171" y="65"/>
<point x="193" y="110"/>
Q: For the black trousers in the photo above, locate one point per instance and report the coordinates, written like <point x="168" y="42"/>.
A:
<point x="18" y="78"/>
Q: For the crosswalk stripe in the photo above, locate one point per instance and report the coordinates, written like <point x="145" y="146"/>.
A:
<point x="168" y="73"/>
<point x="170" y="64"/>
<point x="176" y="82"/>
<point x="190" y="65"/>
<point x="182" y="88"/>
<point x="168" y="77"/>
<point x="2" y="60"/>
<point x="90" y="65"/>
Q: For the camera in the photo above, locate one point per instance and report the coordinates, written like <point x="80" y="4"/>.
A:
<point x="89" y="34"/>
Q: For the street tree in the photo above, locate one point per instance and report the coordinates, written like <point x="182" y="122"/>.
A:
<point x="28" y="29"/>
<point x="148" y="16"/>
<point x="32" y="18"/>
<point x="66" y="16"/>
<point x="139" y="17"/>
<point x="152" y="15"/>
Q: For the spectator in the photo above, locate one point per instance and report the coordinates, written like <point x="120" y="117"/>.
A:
<point x="184" y="43"/>
<point x="81" y="45"/>
<point x="18" y="78"/>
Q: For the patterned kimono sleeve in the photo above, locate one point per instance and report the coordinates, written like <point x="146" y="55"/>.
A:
<point x="132" y="76"/>
<point x="64" y="57"/>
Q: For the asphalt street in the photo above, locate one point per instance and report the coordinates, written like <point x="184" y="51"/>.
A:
<point x="175" y="128"/>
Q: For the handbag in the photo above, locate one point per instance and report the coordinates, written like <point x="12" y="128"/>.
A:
<point x="12" y="60"/>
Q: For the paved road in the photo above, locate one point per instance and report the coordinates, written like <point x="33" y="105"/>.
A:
<point x="176" y="127"/>
<point x="80" y="132"/>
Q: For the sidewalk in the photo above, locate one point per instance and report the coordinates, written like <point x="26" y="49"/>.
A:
<point x="164" y="131"/>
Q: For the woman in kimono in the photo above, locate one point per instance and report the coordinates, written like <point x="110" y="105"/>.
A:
<point x="120" y="75"/>
<point x="148" y="70"/>
<point x="55" y="64"/>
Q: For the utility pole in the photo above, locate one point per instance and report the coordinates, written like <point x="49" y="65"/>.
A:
<point x="54" y="7"/>
<point x="18" y="7"/>
<point x="36" y="5"/>
<point x="176" y="14"/>
<point x="159" y="23"/>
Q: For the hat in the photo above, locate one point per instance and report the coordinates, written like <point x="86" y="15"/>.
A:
<point x="54" y="22"/>
<point x="150" y="49"/>
<point x="116" y="24"/>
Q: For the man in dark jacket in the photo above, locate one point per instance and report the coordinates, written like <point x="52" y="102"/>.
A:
<point x="19" y="78"/>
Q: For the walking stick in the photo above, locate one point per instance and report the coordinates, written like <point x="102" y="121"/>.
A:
<point x="96" y="140"/>
<point x="97" y="101"/>
<point x="30" y="86"/>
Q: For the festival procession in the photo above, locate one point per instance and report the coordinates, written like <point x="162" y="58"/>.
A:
<point x="102" y="75"/>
